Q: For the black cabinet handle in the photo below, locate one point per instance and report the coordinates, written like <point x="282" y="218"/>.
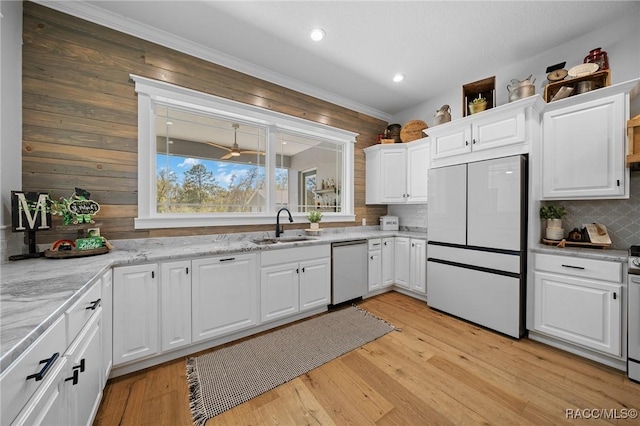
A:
<point x="466" y="143"/>
<point x="74" y="378"/>
<point x="297" y="270"/>
<point x="385" y="243"/>
<point x="80" y="367"/>
<point x="474" y="141"/>
<point x="153" y="274"/>
<point x="572" y="267"/>
<point x="371" y="257"/>
<point x="187" y="271"/>
<point x="615" y="296"/>
<point x="94" y="305"/>
<point x="302" y="269"/>
<point x="47" y="365"/>
<point x="227" y="259"/>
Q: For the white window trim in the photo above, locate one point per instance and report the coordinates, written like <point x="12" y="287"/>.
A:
<point x="150" y="92"/>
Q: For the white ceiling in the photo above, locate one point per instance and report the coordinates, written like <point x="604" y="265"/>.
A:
<point x="436" y="44"/>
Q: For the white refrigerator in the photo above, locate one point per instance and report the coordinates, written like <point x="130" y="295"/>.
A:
<point x="476" y="253"/>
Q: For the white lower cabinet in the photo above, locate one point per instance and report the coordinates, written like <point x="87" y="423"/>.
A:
<point x="579" y="301"/>
<point x="402" y="248"/>
<point x="374" y="264"/>
<point x="84" y="383"/>
<point x="49" y="405"/>
<point x="56" y="383"/>
<point x="224" y="295"/>
<point x="381" y="263"/>
<point x="418" y="265"/>
<point x="410" y="263"/>
<point x="107" y="325"/>
<point x="388" y="261"/>
<point x="135" y="313"/>
<point x="294" y="280"/>
<point x="175" y="306"/>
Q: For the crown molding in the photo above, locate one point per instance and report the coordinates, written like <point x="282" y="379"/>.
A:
<point x="97" y="15"/>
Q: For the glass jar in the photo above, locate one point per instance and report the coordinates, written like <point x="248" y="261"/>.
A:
<point x="598" y="56"/>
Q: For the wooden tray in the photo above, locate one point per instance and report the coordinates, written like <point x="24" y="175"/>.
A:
<point x="566" y="243"/>
<point x="67" y="254"/>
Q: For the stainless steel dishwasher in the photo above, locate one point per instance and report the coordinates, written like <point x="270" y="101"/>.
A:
<point x="349" y="270"/>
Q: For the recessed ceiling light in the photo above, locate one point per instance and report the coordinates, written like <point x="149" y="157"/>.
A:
<point x="398" y="78"/>
<point x="317" y="34"/>
<point x="169" y="123"/>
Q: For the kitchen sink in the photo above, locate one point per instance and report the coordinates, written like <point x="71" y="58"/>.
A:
<point x="281" y="240"/>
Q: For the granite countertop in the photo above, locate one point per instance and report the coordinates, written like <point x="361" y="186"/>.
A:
<point x="35" y="292"/>
<point x="613" y="255"/>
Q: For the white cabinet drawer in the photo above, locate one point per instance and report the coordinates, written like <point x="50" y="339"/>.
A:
<point x="578" y="267"/>
<point x="297" y="254"/>
<point x="81" y="311"/>
<point x="375" y="244"/>
<point x="15" y="388"/>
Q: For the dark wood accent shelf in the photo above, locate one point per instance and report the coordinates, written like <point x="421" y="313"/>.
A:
<point x="600" y="79"/>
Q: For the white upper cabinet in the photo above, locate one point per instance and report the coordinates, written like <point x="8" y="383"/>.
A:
<point x="583" y="150"/>
<point x="499" y="132"/>
<point x="397" y="173"/>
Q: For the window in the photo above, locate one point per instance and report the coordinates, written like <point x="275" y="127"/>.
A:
<point x="207" y="161"/>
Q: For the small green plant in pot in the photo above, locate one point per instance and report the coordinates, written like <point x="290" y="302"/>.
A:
<point x="314" y="217"/>
<point x="553" y="215"/>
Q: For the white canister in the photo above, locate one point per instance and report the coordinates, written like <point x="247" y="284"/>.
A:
<point x="554" y="233"/>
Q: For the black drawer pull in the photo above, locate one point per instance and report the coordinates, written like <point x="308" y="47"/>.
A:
<point x="47" y="365"/>
<point x="376" y="244"/>
<point x="572" y="267"/>
<point x="74" y="378"/>
<point x="94" y="305"/>
<point x="227" y="259"/>
<point x="80" y="367"/>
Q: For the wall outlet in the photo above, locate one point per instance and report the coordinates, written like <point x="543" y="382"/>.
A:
<point x="364" y="221"/>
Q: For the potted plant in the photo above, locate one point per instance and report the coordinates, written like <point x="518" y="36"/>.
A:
<point x="478" y="104"/>
<point x="314" y="217"/>
<point x="553" y="215"/>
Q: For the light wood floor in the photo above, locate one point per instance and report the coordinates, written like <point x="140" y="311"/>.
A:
<point x="437" y="370"/>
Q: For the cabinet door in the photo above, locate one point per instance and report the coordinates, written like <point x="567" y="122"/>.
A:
<point x="394" y="181"/>
<point x="455" y="142"/>
<point x="175" y="312"/>
<point x="225" y="295"/>
<point x="388" y="261"/>
<point x="497" y="131"/>
<point x="418" y="172"/>
<point x="581" y="311"/>
<point x="84" y="383"/>
<point x="402" y="259"/>
<point x="315" y="283"/>
<point x="49" y="404"/>
<point x="107" y="325"/>
<point x="135" y="313"/>
<point x="279" y="291"/>
<point x="583" y="150"/>
<point x="374" y="270"/>
<point x="418" y="265"/>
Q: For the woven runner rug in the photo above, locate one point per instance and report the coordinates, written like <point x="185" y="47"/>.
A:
<point x="234" y="374"/>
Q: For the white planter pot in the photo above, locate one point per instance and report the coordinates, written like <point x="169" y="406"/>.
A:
<point x="554" y="233"/>
<point x="314" y="226"/>
<point x="554" y="223"/>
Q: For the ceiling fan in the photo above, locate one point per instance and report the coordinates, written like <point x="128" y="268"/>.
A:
<point x="234" y="151"/>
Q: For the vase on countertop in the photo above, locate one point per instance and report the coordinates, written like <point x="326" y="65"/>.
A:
<point x="314" y="226"/>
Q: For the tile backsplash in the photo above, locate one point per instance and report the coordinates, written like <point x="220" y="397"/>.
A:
<point x="621" y="217"/>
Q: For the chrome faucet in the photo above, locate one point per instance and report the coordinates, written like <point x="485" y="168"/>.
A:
<point x="278" y="230"/>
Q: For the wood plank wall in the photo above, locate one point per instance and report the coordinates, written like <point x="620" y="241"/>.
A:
<point x="80" y="116"/>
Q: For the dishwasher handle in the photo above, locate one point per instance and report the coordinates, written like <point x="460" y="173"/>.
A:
<point x="348" y="243"/>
